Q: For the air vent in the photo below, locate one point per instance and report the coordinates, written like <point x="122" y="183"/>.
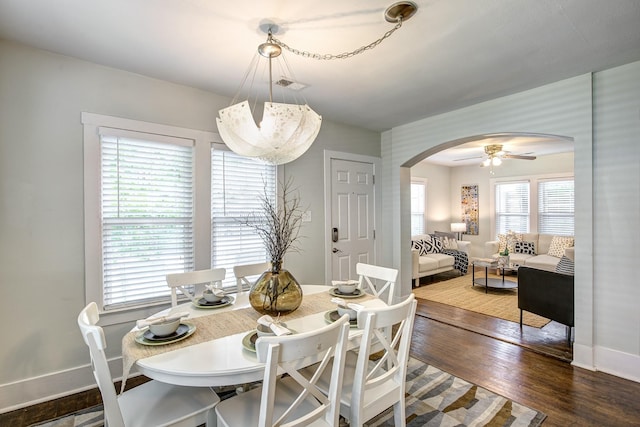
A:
<point x="284" y="82"/>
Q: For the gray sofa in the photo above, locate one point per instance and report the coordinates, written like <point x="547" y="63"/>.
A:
<point x="540" y="259"/>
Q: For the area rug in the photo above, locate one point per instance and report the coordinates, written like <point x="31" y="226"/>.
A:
<point x="458" y="292"/>
<point x="434" y="398"/>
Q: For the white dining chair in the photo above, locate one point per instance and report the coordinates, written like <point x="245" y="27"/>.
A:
<point x="150" y="404"/>
<point x="370" y="387"/>
<point x="178" y="281"/>
<point x="242" y="272"/>
<point x="371" y="275"/>
<point x="292" y="399"/>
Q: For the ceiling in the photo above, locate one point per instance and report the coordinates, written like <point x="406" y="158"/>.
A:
<point x="450" y="54"/>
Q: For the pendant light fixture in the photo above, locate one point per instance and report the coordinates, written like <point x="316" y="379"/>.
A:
<point x="285" y="130"/>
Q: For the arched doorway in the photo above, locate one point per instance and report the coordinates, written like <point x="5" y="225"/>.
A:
<point x="525" y="146"/>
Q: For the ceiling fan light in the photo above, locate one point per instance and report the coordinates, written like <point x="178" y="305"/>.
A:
<point x="486" y="162"/>
<point x="496" y="161"/>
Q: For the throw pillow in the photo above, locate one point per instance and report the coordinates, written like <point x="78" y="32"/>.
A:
<point x="565" y="266"/>
<point x="528" y="248"/>
<point x="508" y="241"/>
<point x="420" y="246"/>
<point x="558" y="245"/>
<point x="429" y="245"/>
<point x="449" y="243"/>
<point x="435" y="244"/>
<point x="443" y="234"/>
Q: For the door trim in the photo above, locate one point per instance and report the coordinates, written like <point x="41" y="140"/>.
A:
<point x="330" y="155"/>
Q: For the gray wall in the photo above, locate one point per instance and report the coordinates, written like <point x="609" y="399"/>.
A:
<point x="41" y="204"/>
<point x="601" y="111"/>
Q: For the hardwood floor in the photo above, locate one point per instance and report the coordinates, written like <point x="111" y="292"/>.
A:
<point x="445" y="337"/>
<point x="569" y="396"/>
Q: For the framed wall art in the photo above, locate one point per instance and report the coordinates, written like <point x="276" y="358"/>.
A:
<point x="469" y="208"/>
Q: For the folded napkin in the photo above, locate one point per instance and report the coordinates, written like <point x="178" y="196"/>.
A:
<point x="268" y="321"/>
<point x="154" y="320"/>
<point x="344" y="304"/>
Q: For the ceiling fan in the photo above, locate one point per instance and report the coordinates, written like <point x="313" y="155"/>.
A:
<point x="495" y="154"/>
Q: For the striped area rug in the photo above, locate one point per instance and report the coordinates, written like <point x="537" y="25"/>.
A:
<point x="434" y="398"/>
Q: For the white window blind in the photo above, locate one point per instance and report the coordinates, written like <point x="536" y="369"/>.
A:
<point x="238" y="185"/>
<point x="147" y="215"/>
<point x="556" y="207"/>
<point x="418" y="206"/>
<point x="512" y="207"/>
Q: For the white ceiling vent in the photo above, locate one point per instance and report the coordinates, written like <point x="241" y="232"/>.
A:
<point x="289" y="84"/>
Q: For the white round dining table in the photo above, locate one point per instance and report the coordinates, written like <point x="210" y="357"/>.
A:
<point x="225" y="361"/>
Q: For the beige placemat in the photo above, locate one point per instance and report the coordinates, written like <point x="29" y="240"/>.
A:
<point x="218" y="325"/>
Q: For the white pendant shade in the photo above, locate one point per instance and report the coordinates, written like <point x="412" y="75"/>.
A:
<point x="285" y="133"/>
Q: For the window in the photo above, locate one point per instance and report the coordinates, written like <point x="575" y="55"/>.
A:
<point x="238" y="185"/>
<point x="418" y="207"/>
<point x="148" y="191"/>
<point x="556" y="207"/>
<point x="539" y="204"/>
<point x="512" y="207"/>
<point x="147" y="215"/>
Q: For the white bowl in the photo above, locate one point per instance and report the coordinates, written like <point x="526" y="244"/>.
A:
<point x="211" y="297"/>
<point x="164" y="329"/>
<point x="347" y="287"/>
<point x="346" y="310"/>
<point x="265" y="331"/>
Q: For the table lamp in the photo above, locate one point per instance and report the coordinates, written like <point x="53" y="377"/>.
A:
<point x="459" y="227"/>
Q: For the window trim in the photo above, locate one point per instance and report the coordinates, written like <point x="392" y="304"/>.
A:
<point x="533" y="196"/>
<point x="423" y="182"/>
<point x="202" y="141"/>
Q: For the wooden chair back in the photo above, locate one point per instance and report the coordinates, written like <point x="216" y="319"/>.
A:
<point x="284" y="355"/>
<point x="370" y="277"/>
<point x="178" y="281"/>
<point x="390" y="329"/>
<point x="93" y="336"/>
<point x="242" y="272"/>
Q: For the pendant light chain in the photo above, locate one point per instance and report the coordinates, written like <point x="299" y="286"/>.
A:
<point x="328" y="56"/>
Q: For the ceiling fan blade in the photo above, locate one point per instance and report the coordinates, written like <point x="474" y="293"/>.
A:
<point x="468" y="158"/>
<point x="516" y="156"/>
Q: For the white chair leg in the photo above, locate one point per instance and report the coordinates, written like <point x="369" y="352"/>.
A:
<point x="212" y="418"/>
<point x="399" y="417"/>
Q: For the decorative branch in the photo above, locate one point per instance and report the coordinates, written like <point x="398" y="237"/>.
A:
<point x="279" y="222"/>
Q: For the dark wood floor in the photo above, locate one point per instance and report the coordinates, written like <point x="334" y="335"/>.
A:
<point x="569" y="396"/>
<point x="511" y="364"/>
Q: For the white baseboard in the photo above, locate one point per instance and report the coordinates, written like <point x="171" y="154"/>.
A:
<point x="624" y="365"/>
<point x="20" y="394"/>
<point x="583" y="357"/>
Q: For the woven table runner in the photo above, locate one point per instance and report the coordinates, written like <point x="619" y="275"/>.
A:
<point x="219" y="325"/>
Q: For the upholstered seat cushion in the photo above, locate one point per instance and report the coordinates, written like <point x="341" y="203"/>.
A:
<point x="543" y="262"/>
<point x="443" y="260"/>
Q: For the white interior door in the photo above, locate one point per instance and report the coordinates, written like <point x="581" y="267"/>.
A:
<point x="352" y="217"/>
